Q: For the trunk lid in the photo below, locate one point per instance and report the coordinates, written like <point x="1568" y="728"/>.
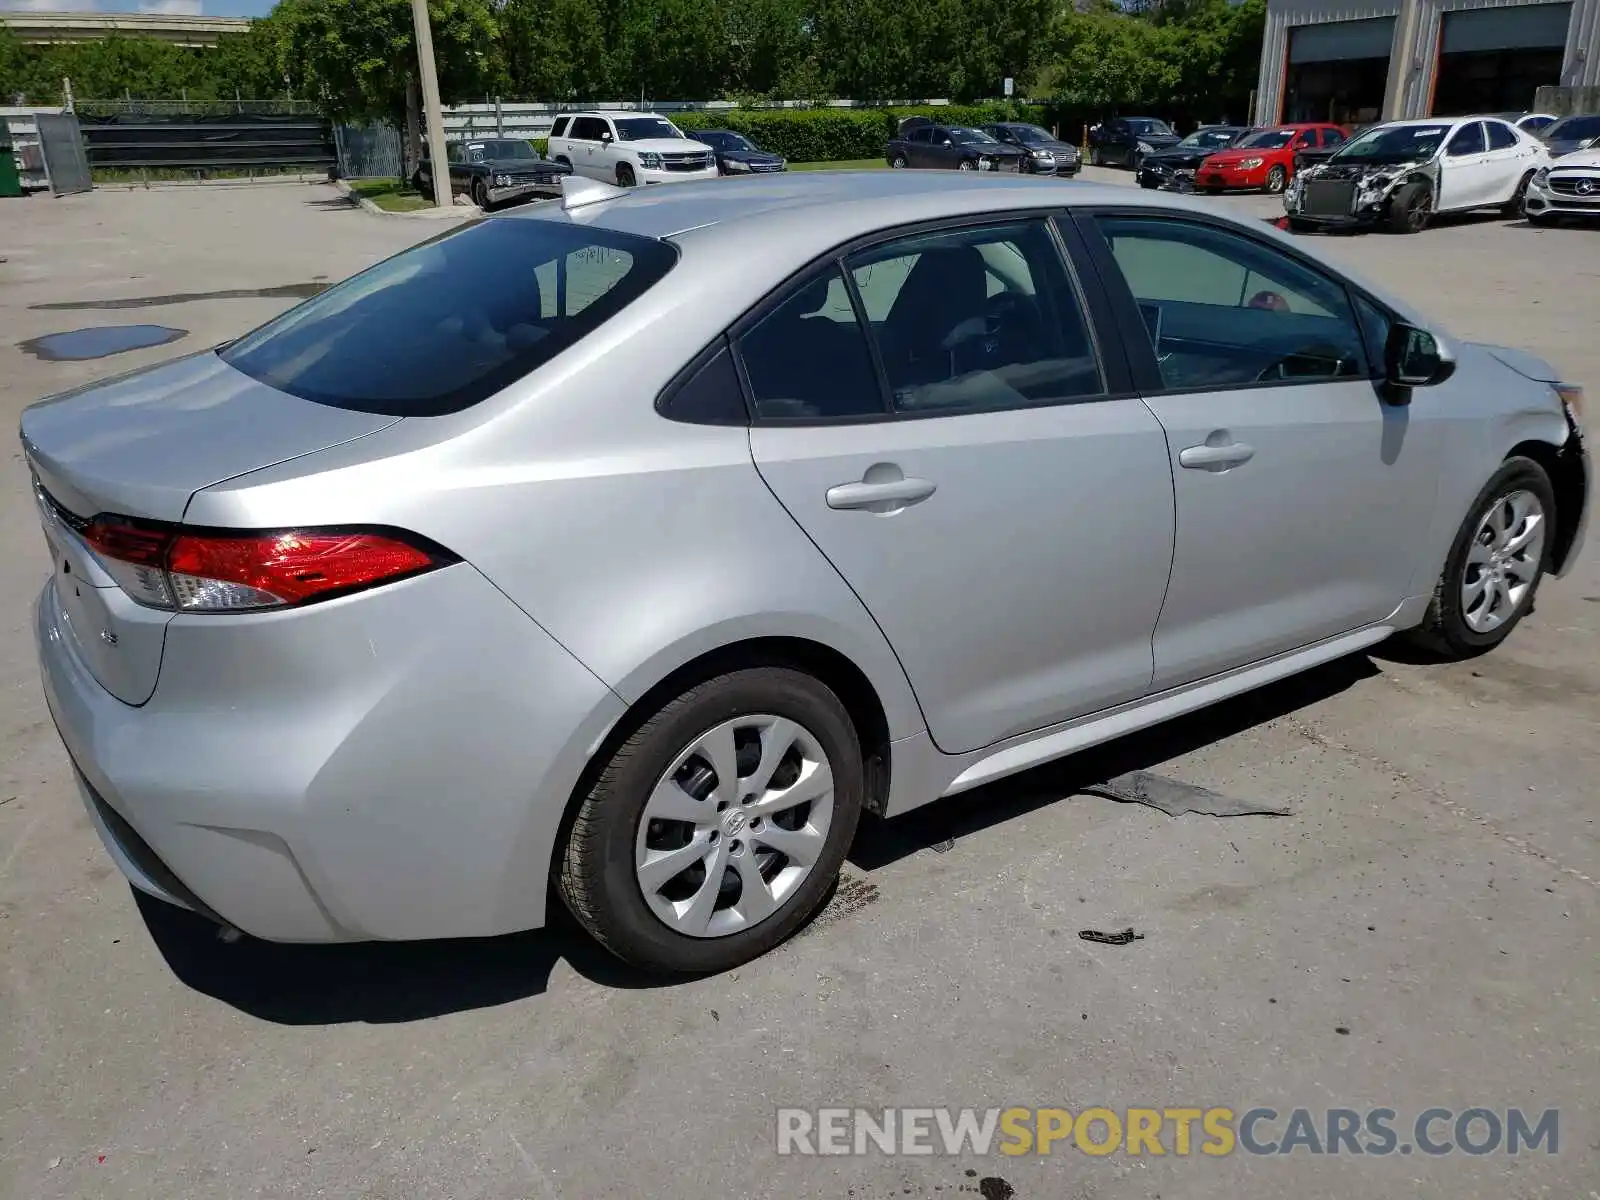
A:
<point x="140" y="446"/>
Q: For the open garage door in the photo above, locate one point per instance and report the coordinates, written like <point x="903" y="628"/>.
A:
<point x="1494" y="59"/>
<point x="1337" y="71"/>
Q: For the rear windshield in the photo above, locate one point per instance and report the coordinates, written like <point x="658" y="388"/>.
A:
<point x="441" y="326"/>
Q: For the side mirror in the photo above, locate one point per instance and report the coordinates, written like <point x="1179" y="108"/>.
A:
<point x="605" y="138"/>
<point x="1412" y="358"/>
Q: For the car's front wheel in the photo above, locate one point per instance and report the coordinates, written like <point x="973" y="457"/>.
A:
<point x="967" y="164"/>
<point x="1496" y="562"/>
<point x="480" y="194"/>
<point x="1277" y="179"/>
<point x="625" y="176"/>
<point x="716" y="829"/>
<point x="1410" y="208"/>
<point x="898" y="162"/>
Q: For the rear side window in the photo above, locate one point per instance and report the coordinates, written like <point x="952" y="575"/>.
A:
<point x="559" y="129"/>
<point x="441" y="326"/>
<point x="808" y="359"/>
<point x="1500" y="136"/>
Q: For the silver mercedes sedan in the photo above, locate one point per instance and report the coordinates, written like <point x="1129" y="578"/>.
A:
<point x="635" y="543"/>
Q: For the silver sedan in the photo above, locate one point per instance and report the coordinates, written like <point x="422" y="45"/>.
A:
<point x="638" y="542"/>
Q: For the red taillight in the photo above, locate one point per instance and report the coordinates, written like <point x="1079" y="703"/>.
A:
<point x="195" y="571"/>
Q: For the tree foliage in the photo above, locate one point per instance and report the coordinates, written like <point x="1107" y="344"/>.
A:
<point x="1190" y="58"/>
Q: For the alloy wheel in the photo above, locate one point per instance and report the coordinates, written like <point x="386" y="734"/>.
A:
<point x="1276" y="179"/>
<point x="899" y="161"/>
<point x="1504" y="561"/>
<point x="734" y="825"/>
<point x="1418" y="210"/>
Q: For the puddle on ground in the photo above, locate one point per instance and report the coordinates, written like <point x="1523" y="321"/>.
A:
<point x="76" y="345"/>
<point x="288" y="291"/>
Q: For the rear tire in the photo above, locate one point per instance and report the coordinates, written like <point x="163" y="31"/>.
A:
<point x="564" y="161"/>
<point x="1512" y="208"/>
<point x="1096" y="158"/>
<point x="1456" y="628"/>
<point x="598" y="872"/>
<point x="625" y="176"/>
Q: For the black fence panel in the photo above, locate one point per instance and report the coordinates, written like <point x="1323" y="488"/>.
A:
<point x="223" y="140"/>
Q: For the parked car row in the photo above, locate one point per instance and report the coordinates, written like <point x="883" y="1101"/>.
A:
<point x="626" y="149"/>
<point x="1011" y="146"/>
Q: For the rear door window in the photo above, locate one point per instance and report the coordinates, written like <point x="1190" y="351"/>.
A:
<point x="1500" y="136"/>
<point x="587" y="129"/>
<point x="446" y="324"/>
<point x="559" y="129"/>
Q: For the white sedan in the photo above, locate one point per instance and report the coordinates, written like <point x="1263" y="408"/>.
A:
<point x="1399" y="174"/>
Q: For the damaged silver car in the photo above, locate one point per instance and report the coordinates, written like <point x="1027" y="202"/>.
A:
<point x="1398" y="175"/>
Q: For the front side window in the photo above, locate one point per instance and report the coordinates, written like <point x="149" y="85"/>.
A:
<point x="446" y="324"/>
<point x="971" y="137"/>
<point x="976" y="319"/>
<point x="1144" y="125"/>
<point x="1224" y="310"/>
<point x="1466" y="140"/>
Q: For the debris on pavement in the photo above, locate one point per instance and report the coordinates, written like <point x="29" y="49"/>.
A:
<point x="1175" y="798"/>
<point x="1121" y="938"/>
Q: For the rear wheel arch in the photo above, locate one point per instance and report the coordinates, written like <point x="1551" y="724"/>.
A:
<point x="822" y="662"/>
<point x="1565" y="468"/>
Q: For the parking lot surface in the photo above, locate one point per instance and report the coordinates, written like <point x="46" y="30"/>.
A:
<point x="1421" y="931"/>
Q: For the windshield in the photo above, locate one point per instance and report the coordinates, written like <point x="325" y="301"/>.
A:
<point x="441" y="326"/>
<point x="1030" y="135"/>
<point x="1571" y="129"/>
<point x="500" y="149"/>
<point x="1209" y="138"/>
<point x="969" y="137"/>
<point x="639" y="129"/>
<point x="1268" y="139"/>
<point x="1149" y="125"/>
<point x="1393" y="144"/>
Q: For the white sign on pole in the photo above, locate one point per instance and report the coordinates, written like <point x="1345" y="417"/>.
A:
<point x="1010" y="85"/>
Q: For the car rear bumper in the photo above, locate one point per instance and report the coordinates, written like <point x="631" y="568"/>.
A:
<point x="391" y="765"/>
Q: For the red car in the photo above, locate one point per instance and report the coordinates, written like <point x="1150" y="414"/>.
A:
<point x="1264" y="161"/>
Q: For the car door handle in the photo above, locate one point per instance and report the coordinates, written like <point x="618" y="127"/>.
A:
<point x="1215" y="458"/>
<point x="888" y="495"/>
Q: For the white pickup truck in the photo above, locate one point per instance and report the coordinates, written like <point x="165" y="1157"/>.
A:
<point x="628" y="149"/>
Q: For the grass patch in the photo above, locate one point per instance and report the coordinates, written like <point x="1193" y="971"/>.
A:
<point x="853" y="164"/>
<point x="390" y="194"/>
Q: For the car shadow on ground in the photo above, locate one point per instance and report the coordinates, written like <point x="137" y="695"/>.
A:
<point x="388" y="982"/>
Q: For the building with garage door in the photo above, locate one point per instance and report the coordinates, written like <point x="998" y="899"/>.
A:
<point x="1354" y="61"/>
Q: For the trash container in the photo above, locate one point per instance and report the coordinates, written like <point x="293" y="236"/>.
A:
<point x="10" y="184"/>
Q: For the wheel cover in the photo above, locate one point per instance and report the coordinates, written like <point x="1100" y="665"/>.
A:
<point x="1276" y="178"/>
<point x="1417" y="212"/>
<point x="734" y="826"/>
<point x="1503" y="561"/>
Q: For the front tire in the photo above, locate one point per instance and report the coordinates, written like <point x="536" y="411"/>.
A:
<point x="717" y="828"/>
<point x="1410" y="208"/>
<point x="1496" y="562"/>
<point x="480" y="194"/>
<point x="625" y="176"/>
<point x="967" y="164"/>
<point x="898" y="162"/>
<point x="1277" y="180"/>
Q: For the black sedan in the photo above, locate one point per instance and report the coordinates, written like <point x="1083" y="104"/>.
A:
<point x="952" y="147"/>
<point x="1126" y="140"/>
<point x="1174" y="167"/>
<point x="1047" y="154"/>
<point x="737" y="154"/>
<point x="494" y="171"/>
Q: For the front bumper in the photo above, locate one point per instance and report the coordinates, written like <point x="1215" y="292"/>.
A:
<point x="653" y="177"/>
<point x="390" y="765"/>
<point x="1542" y="200"/>
<point x="1062" y="168"/>
<point x="1230" y="181"/>
<point x="525" y="191"/>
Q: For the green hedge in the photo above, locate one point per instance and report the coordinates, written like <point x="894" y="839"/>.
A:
<point x="800" y="135"/>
